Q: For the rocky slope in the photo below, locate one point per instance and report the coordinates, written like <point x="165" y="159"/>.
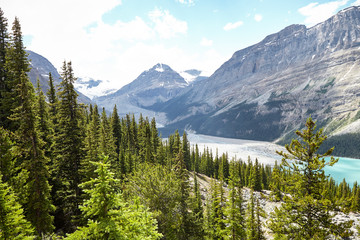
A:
<point x="267" y="204"/>
<point x="40" y="69"/>
<point x="268" y="89"/>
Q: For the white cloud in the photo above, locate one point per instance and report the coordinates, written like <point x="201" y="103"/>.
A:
<point x="356" y="3"/>
<point x="230" y="26"/>
<point x="315" y="12"/>
<point x="258" y="17"/>
<point x="166" y="25"/>
<point x="187" y="2"/>
<point x="206" y="42"/>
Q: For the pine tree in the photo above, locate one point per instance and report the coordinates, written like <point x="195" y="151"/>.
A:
<point x="158" y="188"/>
<point x="38" y="205"/>
<point x="108" y="215"/>
<point x="69" y="152"/>
<point x="116" y="132"/>
<point x="198" y="212"/>
<point x="52" y="99"/>
<point x="4" y="38"/>
<point x="13" y="224"/>
<point x="185" y="219"/>
<point x="44" y="125"/>
<point x="255" y="177"/>
<point x="7" y="159"/>
<point x="16" y="64"/>
<point x="305" y="213"/>
<point x="107" y="141"/>
<point x="234" y="207"/>
<point x="251" y="226"/>
<point x="186" y="151"/>
<point x="92" y="145"/>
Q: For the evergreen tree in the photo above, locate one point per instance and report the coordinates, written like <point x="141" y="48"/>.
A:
<point x="234" y="207"/>
<point x="186" y="151"/>
<point x="108" y="215"/>
<point x="198" y="212"/>
<point x="69" y="152"/>
<point x="185" y="218"/>
<point x="158" y="188"/>
<point x="38" y="205"/>
<point x="116" y="131"/>
<point x="255" y="177"/>
<point x="107" y="142"/>
<point x="44" y="124"/>
<point x="52" y="99"/>
<point x="13" y="224"/>
<point x="305" y="213"/>
<point x="251" y="226"/>
<point x="7" y="159"/>
<point x="92" y="145"/>
<point x="16" y="64"/>
<point x="4" y="38"/>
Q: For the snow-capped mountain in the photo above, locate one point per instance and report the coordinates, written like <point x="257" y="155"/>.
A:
<point x="93" y="88"/>
<point x="192" y="75"/>
<point x="156" y="85"/>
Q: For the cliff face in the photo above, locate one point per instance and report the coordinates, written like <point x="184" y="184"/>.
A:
<point x="269" y="88"/>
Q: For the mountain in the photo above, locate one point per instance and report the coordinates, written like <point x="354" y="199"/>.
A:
<point x="156" y="85"/>
<point x="267" y="90"/>
<point x="93" y="88"/>
<point x="40" y="69"/>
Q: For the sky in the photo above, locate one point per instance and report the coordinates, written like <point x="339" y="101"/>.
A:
<point x="116" y="40"/>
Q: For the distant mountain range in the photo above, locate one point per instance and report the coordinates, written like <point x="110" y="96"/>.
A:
<point x="262" y="92"/>
<point x="267" y="90"/>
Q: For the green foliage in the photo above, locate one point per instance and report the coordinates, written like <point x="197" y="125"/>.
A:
<point x="158" y="189"/>
<point x="13" y="224"/>
<point x="108" y="215"/>
<point x="69" y="152"/>
<point x="234" y="211"/>
<point x="305" y="213"/>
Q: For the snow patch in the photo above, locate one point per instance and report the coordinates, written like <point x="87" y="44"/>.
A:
<point x="159" y="68"/>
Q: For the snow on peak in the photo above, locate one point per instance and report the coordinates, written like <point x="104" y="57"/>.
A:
<point x="159" y="68"/>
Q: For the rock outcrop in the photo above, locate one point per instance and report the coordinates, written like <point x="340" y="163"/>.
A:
<point x="270" y="88"/>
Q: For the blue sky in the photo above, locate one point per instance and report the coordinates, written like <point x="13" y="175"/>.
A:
<point x="116" y="40"/>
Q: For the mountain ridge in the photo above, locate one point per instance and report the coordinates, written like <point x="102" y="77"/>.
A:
<point x="267" y="89"/>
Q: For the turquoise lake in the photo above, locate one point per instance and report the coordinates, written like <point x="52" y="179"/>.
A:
<point x="347" y="168"/>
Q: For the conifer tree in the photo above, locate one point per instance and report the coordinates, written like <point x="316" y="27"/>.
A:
<point x="13" y="224"/>
<point x="185" y="218"/>
<point x="69" y="151"/>
<point x="4" y="38"/>
<point x="186" y="151"/>
<point x="44" y="124"/>
<point x="158" y="188"/>
<point x="52" y="99"/>
<point x="255" y="177"/>
<point x="92" y="145"/>
<point x="38" y="205"/>
<point x="107" y="141"/>
<point x="16" y="64"/>
<point x="116" y="130"/>
<point x="234" y="207"/>
<point x="108" y="215"/>
<point x="305" y="213"/>
<point x="7" y="159"/>
<point x="198" y="212"/>
<point x="251" y="226"/>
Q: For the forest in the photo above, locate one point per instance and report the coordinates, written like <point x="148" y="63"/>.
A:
<point x="71" y="171"/>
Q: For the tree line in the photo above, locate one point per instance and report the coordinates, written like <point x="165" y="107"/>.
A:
<point x="72" y="171"/>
